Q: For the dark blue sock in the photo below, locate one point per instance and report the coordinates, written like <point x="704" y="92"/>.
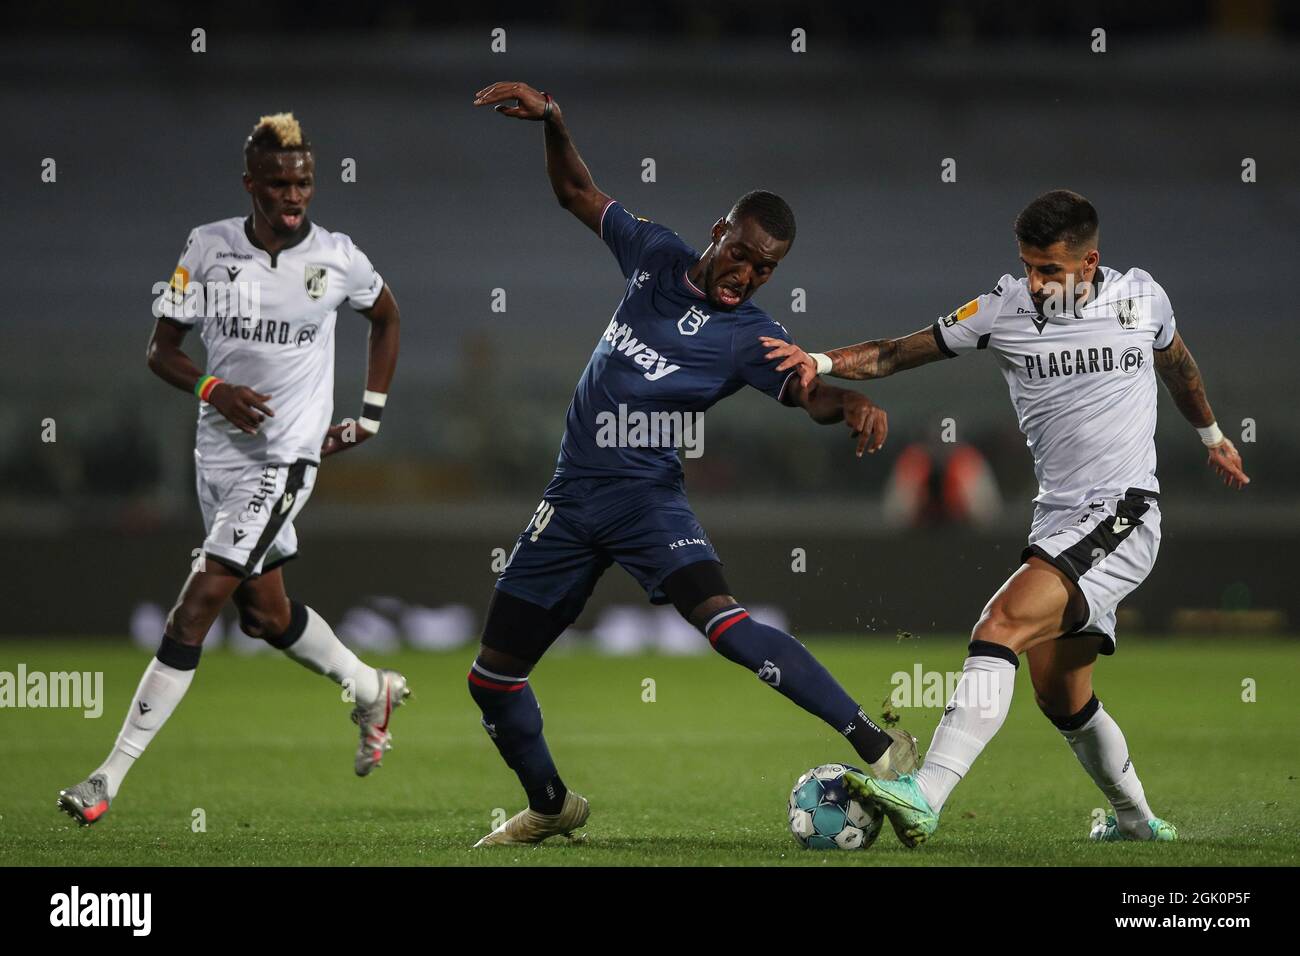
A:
<point x="781" y="661"/>
<point x="513" y="719"/>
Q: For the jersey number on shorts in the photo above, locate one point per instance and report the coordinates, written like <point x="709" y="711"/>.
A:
<point x="540" y="519"/>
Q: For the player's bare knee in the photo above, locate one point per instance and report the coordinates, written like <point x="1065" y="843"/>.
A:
<point x="1052" y="701"/>
<point x="704" y="611"/>
<point x="698" y="591"/>
<point x="257" y="625"/>
<point x="189" y="624"/>
<point x="260" y="622"/>
<point x="997" y="627"/>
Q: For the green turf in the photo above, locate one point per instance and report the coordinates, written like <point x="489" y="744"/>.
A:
<point x="699" y="776"/>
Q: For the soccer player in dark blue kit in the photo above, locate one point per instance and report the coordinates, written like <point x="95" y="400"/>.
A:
<point x="684" y="336"/>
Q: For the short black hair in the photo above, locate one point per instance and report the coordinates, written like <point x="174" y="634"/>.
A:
<point x="768" y="210"/>
<point x="1057" y="216"/>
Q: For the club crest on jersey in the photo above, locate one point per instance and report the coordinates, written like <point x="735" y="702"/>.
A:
<point x="1126" y="310"/>
<point x="314" y="279"/>
<point x="692" y="321"/>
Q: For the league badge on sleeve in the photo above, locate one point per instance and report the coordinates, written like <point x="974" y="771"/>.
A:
<point x="179" y="283"/>
<point x="960" y="315"/>
<point x="314" y="278"/>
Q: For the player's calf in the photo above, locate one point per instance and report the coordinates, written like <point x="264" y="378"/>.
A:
<point x="512" y="717"/>
<point x="201" y="599"/>
<point x="515" y="635"/>
<point x="1098" y="742"/>
<point x="161" y="688"/>
<point x="700" y="595"/>
<point x="309" y="640"/>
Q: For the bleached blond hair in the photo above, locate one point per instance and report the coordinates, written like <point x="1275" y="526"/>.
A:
<point x="276" y="131"/>
<point x="286" y="130"/>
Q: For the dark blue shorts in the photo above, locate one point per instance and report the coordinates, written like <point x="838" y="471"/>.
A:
<point x="583" y="525"/>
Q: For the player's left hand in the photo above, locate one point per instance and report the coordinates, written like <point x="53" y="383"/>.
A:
<point x="792" y="357"/>
<point x="867" y="421"/>
<point x="343" y="436"/>
<point x="1226" y="461"/>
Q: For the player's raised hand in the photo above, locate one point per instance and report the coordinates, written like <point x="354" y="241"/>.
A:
<point x="528" y="103"/>
<point x="867" y="421"/>
<point x="791" y="357"/>
<point x="240" y="405"/>
<point x="1226" y="461"/>
<point x="342" y="436"/>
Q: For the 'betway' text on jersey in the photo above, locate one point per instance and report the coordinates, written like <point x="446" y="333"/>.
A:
<point x="1083" y="384"/>
<point x="267" y="321"/>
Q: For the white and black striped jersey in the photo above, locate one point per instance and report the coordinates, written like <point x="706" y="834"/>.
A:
<point x="267" y="321"/>
<point x="1083" y="382"/>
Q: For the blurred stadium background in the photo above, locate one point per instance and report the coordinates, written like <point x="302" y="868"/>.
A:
<point x="450" y="203"/>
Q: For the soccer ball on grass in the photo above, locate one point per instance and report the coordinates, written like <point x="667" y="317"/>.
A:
<point x="824" y="817"/>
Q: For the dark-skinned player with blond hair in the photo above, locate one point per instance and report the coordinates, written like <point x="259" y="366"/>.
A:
<point x="263" y="290"/>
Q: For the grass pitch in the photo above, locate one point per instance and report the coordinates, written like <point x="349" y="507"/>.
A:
<point x="699" y="776"/>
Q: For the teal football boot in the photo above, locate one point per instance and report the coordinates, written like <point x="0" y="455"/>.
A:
<point x="1109" y="832"/>
<point x="901" y="800"/>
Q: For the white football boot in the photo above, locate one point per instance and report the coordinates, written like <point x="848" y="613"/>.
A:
<point x="373" y="721"/>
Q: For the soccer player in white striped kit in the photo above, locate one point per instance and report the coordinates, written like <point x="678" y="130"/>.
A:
<point x="1080" y="346"/>
<point x="264" y="292"/>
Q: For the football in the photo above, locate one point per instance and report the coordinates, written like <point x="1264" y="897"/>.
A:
<point x="824" y="817"/>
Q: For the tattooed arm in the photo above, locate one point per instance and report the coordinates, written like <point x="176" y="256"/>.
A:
<point x="875" y="359"/>
<point x="1178" y="370"/>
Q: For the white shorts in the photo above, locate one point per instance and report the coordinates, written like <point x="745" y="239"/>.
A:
<point x="1107" y="548"/>
<point x="248" y="513"/>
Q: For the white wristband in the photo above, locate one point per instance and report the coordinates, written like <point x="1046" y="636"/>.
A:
<point x="823" y="361"/>
<point x="372" y="409"/>
<point x="1210" y="435"/>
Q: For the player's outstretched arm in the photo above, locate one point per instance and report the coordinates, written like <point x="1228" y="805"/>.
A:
<point x="875" y="359"/>
<point x="381" y="363"/>
<point x="827" y="404"/>
<point x="1178" y="370"/>
<point x="240" y="405"/>
<point x="570" y="178"/>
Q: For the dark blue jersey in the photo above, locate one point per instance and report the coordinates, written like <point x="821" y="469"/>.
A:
<point x="665" y="354"/>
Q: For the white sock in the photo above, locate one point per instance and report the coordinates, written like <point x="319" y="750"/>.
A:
<point x="319" y="649"/>
<point x="1099" y="744"/>
<point x="977" y="710"/>
<point x="160" y="690"/>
